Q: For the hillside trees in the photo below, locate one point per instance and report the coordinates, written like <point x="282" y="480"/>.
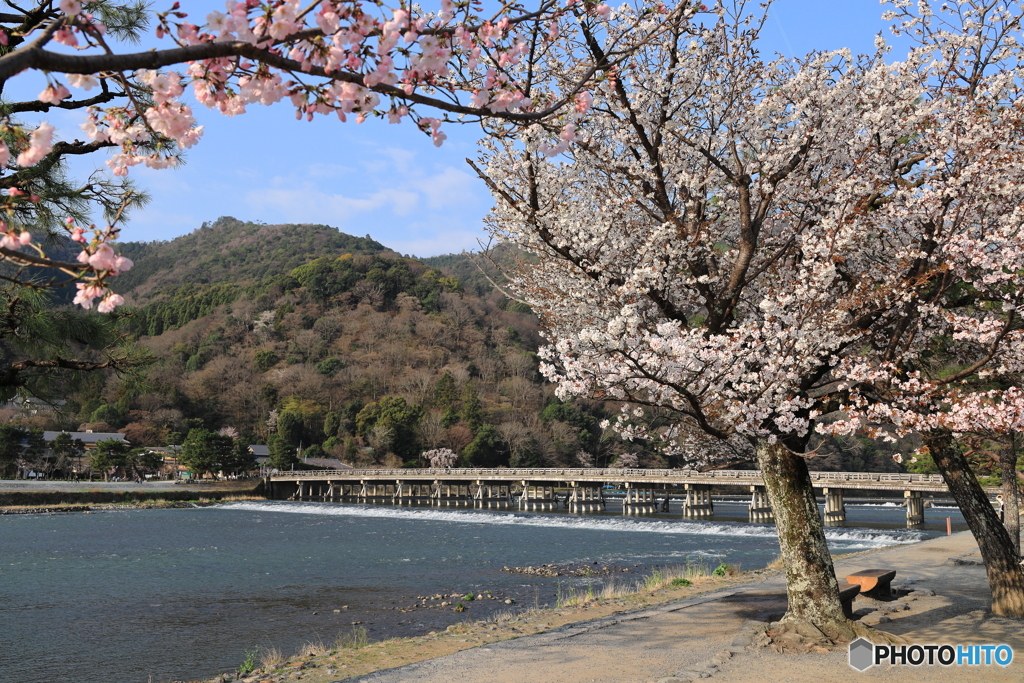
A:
<point x="750" y="245"/>
<point x="393" y="423"/>
<point x="225" y="369"/>
<point x="44" y="352"/>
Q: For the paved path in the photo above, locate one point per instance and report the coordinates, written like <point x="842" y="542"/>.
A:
<point x="646" y="646"/>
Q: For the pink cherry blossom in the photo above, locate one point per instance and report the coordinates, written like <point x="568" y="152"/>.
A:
<point x="583" y="102"/>
<point x="66" y="36"/>
<point x="40" y="144"/>
<point x="53" y="95"/>
<point x="12" y="239"/>
<point x="110" y="302"/>
<point x="87" y="291"/>
<point x="70" y="7"/>
<point x="83" y="81"/>
<point x="102" y="258"/>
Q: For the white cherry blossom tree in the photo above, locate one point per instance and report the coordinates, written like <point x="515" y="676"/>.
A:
<point x="440" y="457"/>
<point x="753" y="244"/>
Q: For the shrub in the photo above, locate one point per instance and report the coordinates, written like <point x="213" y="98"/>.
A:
<point x="248" y="664"/>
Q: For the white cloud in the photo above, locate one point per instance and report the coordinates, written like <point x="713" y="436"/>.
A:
<point x="443" y="241"/>
<point x="328" y="171"/>
<point x="307" y="204"/>
<point x="450" y="187"/>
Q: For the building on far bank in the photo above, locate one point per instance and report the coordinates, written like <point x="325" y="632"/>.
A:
<point x="89" y="438"/>
<point x="170" y="467"/>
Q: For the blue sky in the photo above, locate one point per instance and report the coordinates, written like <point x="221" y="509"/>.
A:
<point x="388" y="181"/>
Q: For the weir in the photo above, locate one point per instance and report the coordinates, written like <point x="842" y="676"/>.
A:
<point x="584" y="490"/>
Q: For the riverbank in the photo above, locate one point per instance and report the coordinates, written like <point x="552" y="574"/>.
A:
<point x="157" y="504"/>
<point x="48" y="497"/>
<point x="678" y="633"/>
<point x="352" y="655"/>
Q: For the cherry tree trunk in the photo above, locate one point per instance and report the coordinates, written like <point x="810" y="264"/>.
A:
<point x="1002" y="564"/>
<point x="1011" y="499"/>
<point x="810" y="577"/>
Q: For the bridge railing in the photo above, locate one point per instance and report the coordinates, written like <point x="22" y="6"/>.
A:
<point x="604" y="473"/>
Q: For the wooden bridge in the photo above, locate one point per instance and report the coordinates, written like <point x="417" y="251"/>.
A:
<point x="585" y="490"/>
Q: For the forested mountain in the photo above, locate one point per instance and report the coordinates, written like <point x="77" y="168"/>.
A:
<point x="307" y="338"/>
<point x="303" y="337"/>
<point x="230" y="251"/>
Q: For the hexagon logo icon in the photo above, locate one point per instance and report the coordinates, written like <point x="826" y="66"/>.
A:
<point x="862" y="654"/>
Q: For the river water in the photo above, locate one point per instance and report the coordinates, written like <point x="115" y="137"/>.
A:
<point x="157" y="595"/>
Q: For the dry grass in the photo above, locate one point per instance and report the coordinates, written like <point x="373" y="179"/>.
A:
<point x="350" y="641"/>
<point x="777" y="563"/>
<point x="678" y="576"/>
<point x="271" y="658"/>
<point x="313" y="648"/>
<point x="502" y="616"/>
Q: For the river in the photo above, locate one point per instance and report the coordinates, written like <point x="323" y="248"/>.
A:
<point x="169" y="594"/>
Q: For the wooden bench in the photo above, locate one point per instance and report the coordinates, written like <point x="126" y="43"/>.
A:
<point x="873" y="582"/>
<point x="847" y="592"/>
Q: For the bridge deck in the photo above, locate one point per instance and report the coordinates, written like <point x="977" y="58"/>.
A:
<point x="630" y="478"/>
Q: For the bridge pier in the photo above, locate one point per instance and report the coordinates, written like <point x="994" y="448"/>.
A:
<point x="638" y="500"/>
<point x="698" y="501"/>
<point x="915" y="507"/>
<point x="489" y="496"/>
<point x="453" y="494"/>
<point x="584" y="498"/>
<point x="407" y="493"/>
<point x="760" y="508"/>
<point x="537" y="497"/>
<point x="835" y="507"/>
